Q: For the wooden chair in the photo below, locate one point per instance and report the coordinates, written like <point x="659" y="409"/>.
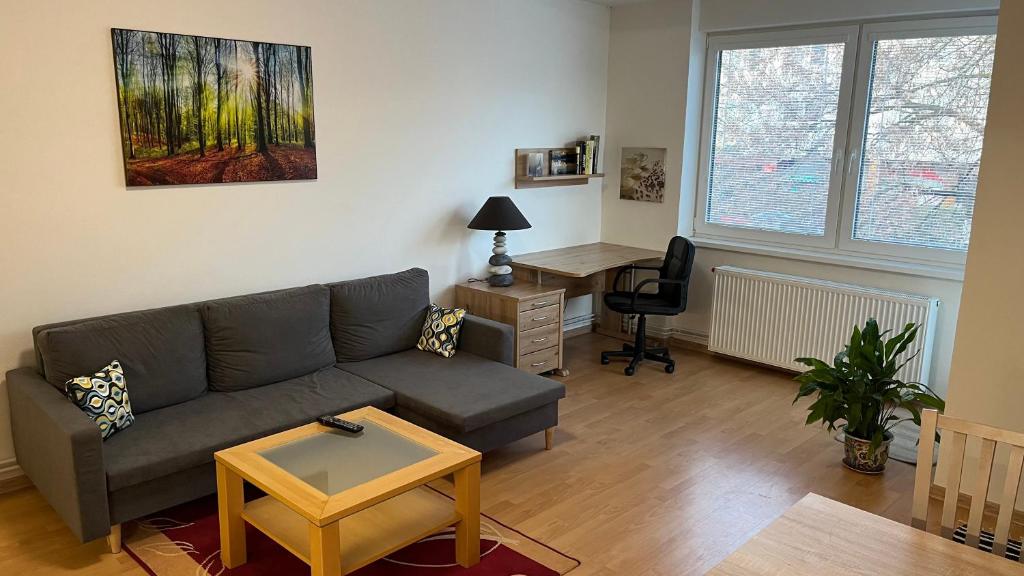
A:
<point x="955" y="432"/>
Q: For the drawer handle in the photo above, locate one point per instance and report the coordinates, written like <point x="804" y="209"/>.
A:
<point x="535" y="364"/>
<point x="539" y="304"/>
<point x="538" y="340"/>
<point x="539" y="318"/>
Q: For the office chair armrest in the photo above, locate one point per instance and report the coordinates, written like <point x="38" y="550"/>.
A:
<point x="646" y="281"/>
<point x="629" y="268"/>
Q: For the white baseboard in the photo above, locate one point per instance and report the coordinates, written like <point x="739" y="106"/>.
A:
<point x="9" y="469"/>
<point x="656" y="331"/>
<point x="577" y="322"/>
<point x="674" y="333"/>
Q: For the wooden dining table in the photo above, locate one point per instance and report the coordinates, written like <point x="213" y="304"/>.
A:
<point x="821" y="536"/>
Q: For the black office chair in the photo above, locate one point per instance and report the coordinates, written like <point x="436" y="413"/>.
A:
<point x="670" y="299"/>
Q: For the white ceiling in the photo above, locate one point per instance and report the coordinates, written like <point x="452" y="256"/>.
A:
<point x="618" y="2"/>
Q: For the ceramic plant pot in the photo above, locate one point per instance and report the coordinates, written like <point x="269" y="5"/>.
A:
<point x="859" y="456"/>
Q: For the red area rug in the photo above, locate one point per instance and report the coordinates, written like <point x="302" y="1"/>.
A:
<point x="185" y="540"/>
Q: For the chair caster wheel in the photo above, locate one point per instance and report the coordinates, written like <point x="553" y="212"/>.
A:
<point x="605" y="360"/>
<point x="629" y="370"/>
<point x="670" y="368"/>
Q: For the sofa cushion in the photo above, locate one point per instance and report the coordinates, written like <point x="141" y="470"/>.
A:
<point x="262" y="338"/>
<point x="161" y="352"/>
<point x="103" y="396"/>
<point x="371" y="317"/>
<point x="464" y="392"/>
<point x="186" y="435"/>
<point x="440" y="333"/>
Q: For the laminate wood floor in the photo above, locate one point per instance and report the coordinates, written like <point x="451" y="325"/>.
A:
<point x="656" y="474"/>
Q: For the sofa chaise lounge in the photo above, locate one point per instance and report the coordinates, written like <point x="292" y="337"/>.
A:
<point x="210" y="375"/>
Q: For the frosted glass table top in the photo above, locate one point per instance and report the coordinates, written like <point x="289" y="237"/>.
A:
<point x="334" y="461"/>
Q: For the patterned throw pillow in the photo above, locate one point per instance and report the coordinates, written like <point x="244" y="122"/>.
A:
<point x="441" y="330"/>
<point x="104" y="398"/>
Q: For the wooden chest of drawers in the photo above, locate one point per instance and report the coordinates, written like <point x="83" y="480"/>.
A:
<point x="535" y="312"/>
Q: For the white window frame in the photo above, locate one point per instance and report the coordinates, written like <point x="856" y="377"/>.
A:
<point x="851" y="117"/>
<point x="846" y="35"/>
<point x="858" y="125"/>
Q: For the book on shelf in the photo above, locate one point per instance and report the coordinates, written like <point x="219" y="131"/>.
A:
<point x="587" y="150"/>
<point x="563" y="161"/>
<point x="579" y="157"/>
<point x="597" y="144"/>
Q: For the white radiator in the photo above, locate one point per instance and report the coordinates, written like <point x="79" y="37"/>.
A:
<point x="774" y="318"/>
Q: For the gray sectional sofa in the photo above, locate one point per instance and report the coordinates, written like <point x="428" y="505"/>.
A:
<point x="209" y="375"/>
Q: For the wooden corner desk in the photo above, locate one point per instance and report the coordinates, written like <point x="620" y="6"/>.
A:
<point x="552" y="275"/>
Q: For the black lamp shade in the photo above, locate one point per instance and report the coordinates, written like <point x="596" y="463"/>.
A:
<point x="499" y="213"/>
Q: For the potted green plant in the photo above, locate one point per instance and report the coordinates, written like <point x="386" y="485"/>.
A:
<point x="860" y="390"/>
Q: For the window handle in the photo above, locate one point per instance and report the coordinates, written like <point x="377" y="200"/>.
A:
<point x="854" y="163"/>
<point x="838" y="161"/>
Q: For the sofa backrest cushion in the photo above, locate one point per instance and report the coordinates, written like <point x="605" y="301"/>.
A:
<point x="380" y="315"/>
<point x="161" y="352"/>
<point x="265" y="338"/>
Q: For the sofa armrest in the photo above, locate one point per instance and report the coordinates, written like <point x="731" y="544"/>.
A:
<point x="60" y="449"/>
<point x="487" y="338"/>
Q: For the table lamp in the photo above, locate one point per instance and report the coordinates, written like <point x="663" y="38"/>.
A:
<point x="499" y="213"/>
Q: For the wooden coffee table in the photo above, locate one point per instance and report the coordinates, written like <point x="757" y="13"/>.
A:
<point x="340" y="501"/>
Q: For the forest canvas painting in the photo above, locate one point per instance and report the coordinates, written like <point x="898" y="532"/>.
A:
<point x="199" y="110"/>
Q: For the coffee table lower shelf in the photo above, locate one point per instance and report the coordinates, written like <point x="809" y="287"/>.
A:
<point x="367" y="535"/>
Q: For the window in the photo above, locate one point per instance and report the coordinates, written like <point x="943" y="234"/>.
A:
<point x="854" y="139"/>
<point x="774" y="125"/>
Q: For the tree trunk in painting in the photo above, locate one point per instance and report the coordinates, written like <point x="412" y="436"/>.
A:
<point x="123" y="51"/>
<point x="220" y="88"/>
<point x="200" y="60"/>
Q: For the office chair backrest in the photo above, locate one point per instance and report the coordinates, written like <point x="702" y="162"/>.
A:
<point x="677" y="266"/>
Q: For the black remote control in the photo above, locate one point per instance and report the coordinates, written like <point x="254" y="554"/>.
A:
<point x="335" y="422"/>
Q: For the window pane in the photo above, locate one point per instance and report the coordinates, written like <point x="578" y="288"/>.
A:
<point x="922" y="143"/>
<point x="773" y="128"/>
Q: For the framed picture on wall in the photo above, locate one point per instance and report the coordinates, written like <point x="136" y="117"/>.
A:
<point x="643" y="174"/>
<point x="199" y="110"/>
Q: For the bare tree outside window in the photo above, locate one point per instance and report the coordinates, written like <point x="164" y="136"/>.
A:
<point x="927" y="103"/>
<point x="774" y="124"/>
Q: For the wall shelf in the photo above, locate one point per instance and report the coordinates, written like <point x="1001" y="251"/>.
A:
<point x="525" y="181"/>
<point x="559" y="177"/>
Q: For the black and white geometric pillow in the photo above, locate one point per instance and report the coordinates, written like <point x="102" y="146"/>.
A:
<point x="441" y="330"/>
<point x="986" y="540"/>
<point x="104" y="398"/>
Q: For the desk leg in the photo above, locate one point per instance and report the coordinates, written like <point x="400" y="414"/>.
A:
<point x="609" y="323"/>
<point x="561" y="370"/>
<point x="467" y="504"/>
<point x="324" y="550"/>
<point x="230" y="500"/>
<point x="597" y="289"/>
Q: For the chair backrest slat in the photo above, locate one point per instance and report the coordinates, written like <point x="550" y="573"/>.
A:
<point x="953" y="484"/>
<point x="1008" y="502"/>
<point x="955" y="433"/>
<point x="979" y="496"/>
<point x="923" y="474"/>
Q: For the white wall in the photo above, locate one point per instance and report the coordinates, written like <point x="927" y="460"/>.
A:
<point x="654" y="74"/>
<point x="647" y="78"/>
<point x="719" y="15"/>
<point x="419" y="106"/>
<point x="987" y="375"/>
<point x="987" y="378"/>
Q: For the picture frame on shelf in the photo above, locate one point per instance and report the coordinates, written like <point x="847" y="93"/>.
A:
<point x="562" y="162"/>
<point x="535" y="164"/>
